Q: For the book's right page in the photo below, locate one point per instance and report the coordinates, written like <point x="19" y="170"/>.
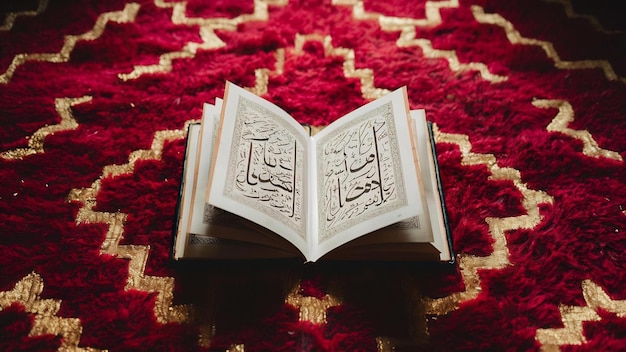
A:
<point x="368" y="174"/>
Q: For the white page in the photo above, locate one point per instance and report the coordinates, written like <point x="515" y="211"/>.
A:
<point x="207" y="220"/>
<point x="209" y="119"/>
<point x="259" y="169"/>
<point x="367" y="172"/>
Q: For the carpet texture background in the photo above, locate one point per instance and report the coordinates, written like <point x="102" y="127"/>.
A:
<point x="528" y="99"/>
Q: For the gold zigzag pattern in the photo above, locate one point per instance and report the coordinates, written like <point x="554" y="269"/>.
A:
<point x="562" y="120"/>
<point x="9" y="21"/>
<point x="312" y="309"/>
<point x="569" y="11"/>
<point x="470" y="265"/>
<point x="516" y="38"/>
<point x="262" y="75"/>
<point x="207" y="33"/>
<point x="136" y="254"/>
<point x="126" y="15"/>
<point x="432" y="9"/>
<point x="573" y="318"/>
<point x="26" y="292"/>
<point x="365" y="75"/>
<point x="36" y="141"/>
<point x="407" y="38"/>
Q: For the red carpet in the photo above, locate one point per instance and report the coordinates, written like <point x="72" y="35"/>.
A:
<point x="529" y="103"/>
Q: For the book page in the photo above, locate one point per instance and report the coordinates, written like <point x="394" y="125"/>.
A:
<point x="210" y="118"/>
<point x="205" y="219"/>
<point x="259" y="167"/>
<point x="435" y="206"/>
<point x="185" y="201"/>
<point x="367" y="172"/>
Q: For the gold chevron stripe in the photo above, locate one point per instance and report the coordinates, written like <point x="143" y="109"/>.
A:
<point x="126" y="15"/>
<point x="137" y="254"/>
<point x="9" y="21"/>
<point x="407" y="38"/>
<point x="27" y="292"/>
<point x="179" y="14"/>
<point x="563" y="119"/>
<point x="573" y="318"/>
<point x="469" y="265"/>
<point x="312" y="309"/>
<point x="569" y="11"/>
<point x="262" y="75"/>
<point x="36" y="140"/>
<point x="365" y="75"/>
<point x="516" y="38"/>
<point x="207" y="33"/>
<point x="390" y="23"/>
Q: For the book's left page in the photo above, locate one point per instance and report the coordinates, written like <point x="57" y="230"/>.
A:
<point x="259" y="165"/>
<point x="206" y="232"/>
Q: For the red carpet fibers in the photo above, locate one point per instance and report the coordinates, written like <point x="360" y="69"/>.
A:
<point x="529" y="103"/>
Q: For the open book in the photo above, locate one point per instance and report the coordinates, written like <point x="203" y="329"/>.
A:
<point x="256" y="184"/>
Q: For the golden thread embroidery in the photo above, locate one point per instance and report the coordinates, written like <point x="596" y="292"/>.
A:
<point x="516" y="38"/>
<point x="470" y="265"/>
<point x="126" y="15"/>
<point x="262" y="75"/>
<point x="573" y="318"/>
<point x="9" y="21"/>
<point x="406" y="27"/>
<point x="563" y="119"/>
<point x="569" y="11"/>
<point x="36" y="140"/>
<point x="207" y="33"/>
<point x="27" y="293"/>
<point x="312" y="309"/>
<point x="365" y="75"/>
<point x="137" y="254"/>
